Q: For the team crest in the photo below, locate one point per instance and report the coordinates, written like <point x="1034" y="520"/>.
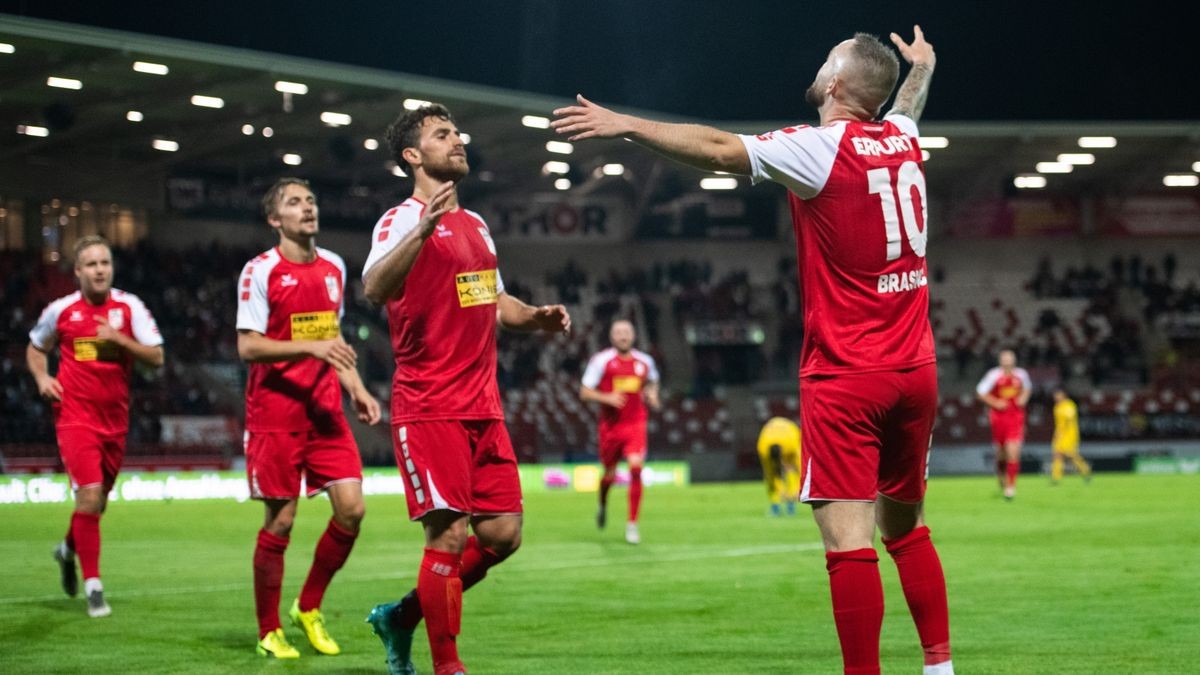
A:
<point x="331" y="286"/>
<point x="487" y="239"/>
<point x="116" y="318"/>
<point x="639" y="368"/>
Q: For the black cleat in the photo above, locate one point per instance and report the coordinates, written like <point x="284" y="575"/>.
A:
<point x="65" y="558"/>
<point x="601" y="517"/>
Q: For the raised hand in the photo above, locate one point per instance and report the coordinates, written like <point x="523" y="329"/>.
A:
<point x="919" y="53"/>
<point x="439" y="205"/>
<point x="106" y="332"/>
<point x="588" y="120"/>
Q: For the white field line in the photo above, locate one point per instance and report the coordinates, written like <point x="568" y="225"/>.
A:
<point x="682" y="556"/>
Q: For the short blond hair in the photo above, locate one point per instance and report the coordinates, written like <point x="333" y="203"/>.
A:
<point x="88" y="242"/>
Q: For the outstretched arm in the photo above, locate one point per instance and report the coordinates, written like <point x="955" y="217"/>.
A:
<point x="518" y="316"/>
<point x="692" y="144"/>
<point x="910" y="100"/>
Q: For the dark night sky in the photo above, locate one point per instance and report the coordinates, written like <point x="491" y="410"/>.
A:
<point x="716" y="59"/>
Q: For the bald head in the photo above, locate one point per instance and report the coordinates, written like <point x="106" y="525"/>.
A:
<point x="860" y="72"/>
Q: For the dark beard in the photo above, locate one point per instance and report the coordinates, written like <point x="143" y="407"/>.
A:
<point x="449" y="172"/>
<point x="815" y="97"/>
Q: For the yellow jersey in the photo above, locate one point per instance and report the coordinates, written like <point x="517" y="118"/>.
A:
<point x="1066" y="425"/>
<point x="784" y="433"/>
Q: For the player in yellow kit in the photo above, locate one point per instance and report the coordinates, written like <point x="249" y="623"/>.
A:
<point x="1066" y="438"/>
<point x="779" y="452"/>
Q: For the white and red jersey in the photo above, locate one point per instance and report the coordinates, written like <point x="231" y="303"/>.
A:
<point x="857" y="194"/>
<point x="94" y="373"/>
<point x="286" y="300"/>
<point x="443" y="320"/>
<point x="1006" y="387"/>
<point x="610" y="371"/>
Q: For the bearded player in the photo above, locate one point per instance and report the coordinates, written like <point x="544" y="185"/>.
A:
<point x="1005" y="390"/>
<point x="868" y="377"/>
<point x="433" y="264"/>
<point x="624" y="381"/>
<point x="290" y="302"/>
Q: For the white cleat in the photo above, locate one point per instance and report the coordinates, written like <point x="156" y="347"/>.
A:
<point x="631" y="534"/>
<point x="943" y="668"/>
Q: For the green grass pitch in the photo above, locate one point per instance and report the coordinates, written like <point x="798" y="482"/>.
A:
<point x="1103" y="578"/>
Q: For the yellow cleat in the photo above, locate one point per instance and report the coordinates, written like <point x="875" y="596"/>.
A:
<point x="313" y="625"/>
<point x="276" y="644"/>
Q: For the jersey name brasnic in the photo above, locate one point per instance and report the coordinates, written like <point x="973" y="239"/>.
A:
<point x="905" y="281"/>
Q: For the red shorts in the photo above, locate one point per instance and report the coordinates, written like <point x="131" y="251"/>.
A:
<point x="275" y="461"/>
<point x="867" y="434"/>
<point x="466" y="466"/>
<point x="619" y="442"/>
<point x="1007" y="426"/>
<point x="91" y="458"/>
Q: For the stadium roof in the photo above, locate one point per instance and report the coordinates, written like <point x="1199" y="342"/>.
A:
<point x="84" y="140"/>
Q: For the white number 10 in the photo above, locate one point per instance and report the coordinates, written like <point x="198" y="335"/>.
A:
<point x="879" y="182"/>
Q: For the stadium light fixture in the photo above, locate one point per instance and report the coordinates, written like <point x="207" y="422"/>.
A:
<point x="63" y="83"/>
<point x="6" y="48"/>
<point x="1196" y="167"/>
<point x="934" y="142"/>
<point x="165" y="145"/>
<point x="560" y="147"/>
<point x="613" y="169"/>
<point x="925" y="155"/>
<point x="555" y="167"/>
<point x="285" y="87"/>
<point x="1097" y="142"/>
<point x="1029" y="182"/>
<point x="208" y="101"/>
<point x="247" y="129"/>
<point x="335" y="119"/>
<point x="1181" y="180"/>
<point x="135" y="116"/>
<point x="466" y="138"/>
<point x="151" y="68"/>
<point x="414" y="103"/>
<point x="292" y="159"/>
<point x="371" y="144"/>
<point x="562" y="184"/>
<point x="1054" y="167"/>
<point x="398" y="172"/>
<point x="32" y="130"/>
<point x="1077" y="158"/>
<point x="718" y="183"/>
<point x="268" y="132"/>
<point x="536" y="122"/>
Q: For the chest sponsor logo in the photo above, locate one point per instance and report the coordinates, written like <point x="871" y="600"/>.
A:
<point x="94" y="349"/>
<point x="314" y="326"/>
<point x="116" y="318"/>
<point x="332" y="287"/>
<point x="476" y="288"/>
<point x="288" y="280"/>
<point x="627" y="384"/>
<point x="1010" y="391"/>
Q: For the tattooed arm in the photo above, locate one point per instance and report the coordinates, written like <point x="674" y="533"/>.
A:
<point x="910" y="100"/>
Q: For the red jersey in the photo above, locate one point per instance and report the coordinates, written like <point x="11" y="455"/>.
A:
<point x="287" y="300"/>
<point x="1006" y="387"/>
<point x="443" y="321"/>
<point x="609" y="371"/>
<point x="94" y="374"/>
<point x="857" y="195"/>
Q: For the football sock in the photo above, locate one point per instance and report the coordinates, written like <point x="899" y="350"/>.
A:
<point x="924" y="587"/>
<point x="268" y="579"/>
<point x="1010" y="473"/>
<point x="635" y="492"/>
<point x="1001" y="465"/>
<point x="476" y="561"/>
<point x="606" y="484"/>
<point x="1056" y="469"/>
<point x="857" y="594"/>
<point x="1081" y="466"/>
<point x="439" y="589"/>
<point x="332" y="550"/>
<point x="85" y="540"/>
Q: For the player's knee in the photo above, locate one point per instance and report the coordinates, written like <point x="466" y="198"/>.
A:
<point x="89" y="501"/>
<point x="351" y="517"/>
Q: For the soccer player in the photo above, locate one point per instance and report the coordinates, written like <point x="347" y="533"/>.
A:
<point x="779" y="452"/>
<point x="1066" y="438"/>
<point x="100" y="331"/>
<point x="868" y="376"/>
<point x="433" y="263"/>
<point x="623" y="381"/>
<point x="290" y="303"/>
<point x="1005" y="390"/>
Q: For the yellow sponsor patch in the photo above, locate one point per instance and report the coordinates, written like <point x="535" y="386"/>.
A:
<point x="476" y="288"/>
<point x="315" y="326"/>
<point x="627" y="384"/>
<point x="95" y="349"/>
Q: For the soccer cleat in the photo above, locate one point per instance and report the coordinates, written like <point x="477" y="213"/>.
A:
<point x="774" y="510"/>
<point x="791" y="508"/>
<point x="276" y="644"/>
<point x="397" y="641"/>
<point x="65" y="558"/>
<point x="601" y="517"/>
<point x="631" y="534"/>
<point x="1009" y="493"/>
<point x="313" y="625"/>
<point x="97" y="607"/>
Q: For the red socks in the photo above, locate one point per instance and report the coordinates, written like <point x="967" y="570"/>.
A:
<point x="268" y="578"/>
<point x="439" y="589"/>
<point x="84" y="538"/>
<point x="635" y="492"/>
<point x="606" y="484"/>
<point x="1011" y="469"/>
<point x="332" y="550"/>
<point x="925" y="590"/>
<point x="857" y="594"/>
<point x="476" y="561"/>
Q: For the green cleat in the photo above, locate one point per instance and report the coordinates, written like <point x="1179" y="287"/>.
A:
<point x="397" y="641"/>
